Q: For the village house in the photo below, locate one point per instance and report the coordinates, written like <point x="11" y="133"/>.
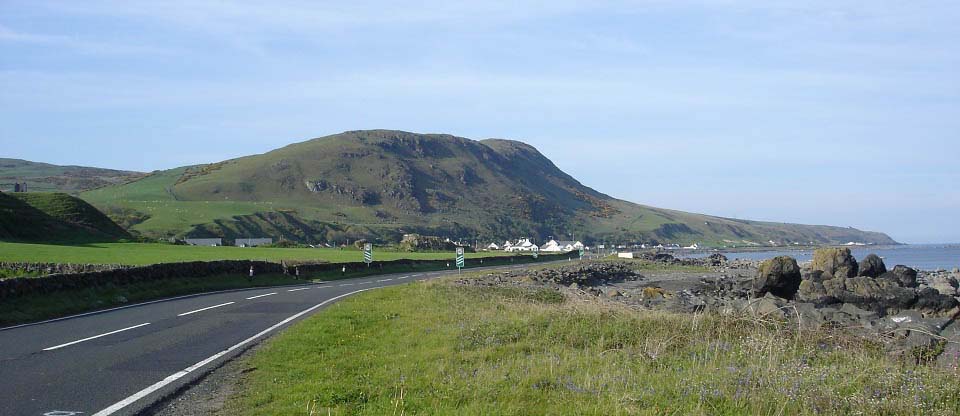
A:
<point x="554" y="246"/>
<point x="522" y="245"/>
<point x="493" y="247"/>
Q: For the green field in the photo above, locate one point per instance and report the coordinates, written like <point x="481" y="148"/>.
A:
<point x="140" y="254"/>
<point x="438" y="348"/>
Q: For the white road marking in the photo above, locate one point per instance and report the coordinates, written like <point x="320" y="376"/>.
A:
<point x="206" y="309"/>
<point x="384" y="280"/>
<point x="95" y="337"/>
<point x="260" y="296"/>
<point x="346" y="284"/>
<point x="401" y="278"/>
<point x="364" y="283"/>
<point x="297" y="290"/>
<point x="174" y="377"/>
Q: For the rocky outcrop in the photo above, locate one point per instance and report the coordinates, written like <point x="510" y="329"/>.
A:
<point x="588" y="274"/>
<point x="883" y="296"/>
<point x="835" y="262"/>
<point x="906" y="276"/>
<point x="872" y="266"/>
<point x="779" y="276"/>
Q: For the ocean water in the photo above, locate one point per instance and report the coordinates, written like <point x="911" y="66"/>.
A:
<point x="917" y="256"/>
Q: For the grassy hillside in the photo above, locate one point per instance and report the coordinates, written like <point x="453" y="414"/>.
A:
<point x="44" y="177"/>
<point x="54" y="217"/>
<point x="443" y="349"/>
<point x="383" y="183"/>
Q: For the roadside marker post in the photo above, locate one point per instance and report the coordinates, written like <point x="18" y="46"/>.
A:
<point x="581" y="253"/>
<point x="536" y="252"/>
<point x="459" y="259"/>
<point x="368" y="253"/>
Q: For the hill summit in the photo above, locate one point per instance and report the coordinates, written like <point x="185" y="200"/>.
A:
<point x="383" y="183"/>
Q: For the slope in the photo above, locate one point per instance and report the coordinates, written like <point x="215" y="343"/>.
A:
<point x="381" y="183"/>
<point x="43" y="177"/>
<point x="54" y="217"/>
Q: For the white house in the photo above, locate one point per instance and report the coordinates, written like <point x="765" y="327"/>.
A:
<point x="554" y="246"/>
<point x="493" y="246"/>
<point x="523" y="244"/>
<point x="204" y="241"/>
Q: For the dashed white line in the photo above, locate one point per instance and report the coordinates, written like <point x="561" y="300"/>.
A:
<point x="297" y="290"/>
<point x="95" y="337"/>
<point x="176" y="376"/>
<point x="346" y="284"/>
<point x="364" y="283"/>
<point x="260" y="296"/>
<point x="401" y="278"/>
<point x="384" y="280"/>
<point x="206" y="309"/>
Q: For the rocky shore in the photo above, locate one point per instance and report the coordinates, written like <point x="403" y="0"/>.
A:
<point x="912" y="313"/>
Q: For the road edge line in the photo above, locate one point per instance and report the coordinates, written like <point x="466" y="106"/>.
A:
<point x="180" y="374"/>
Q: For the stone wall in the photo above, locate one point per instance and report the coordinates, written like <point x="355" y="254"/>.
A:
<point x="22" y="286"/>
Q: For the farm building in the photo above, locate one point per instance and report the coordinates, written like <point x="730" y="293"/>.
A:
<point x="204" y="241"/>
<point x="252" y="242"/>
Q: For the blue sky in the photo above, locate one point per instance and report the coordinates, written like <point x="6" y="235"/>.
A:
<point x="827" y="112"/>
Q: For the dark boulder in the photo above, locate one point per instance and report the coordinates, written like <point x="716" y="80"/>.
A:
<point x="717" y="259"/>
<point x="904" y="275"/>
<point x="872" y="266"/>
<point x="930" y="301"/>
<point x="836" y="262"/>
<point x="779" y="276"/>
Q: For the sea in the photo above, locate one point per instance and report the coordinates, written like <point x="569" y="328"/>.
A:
<point x="918" y="256"/>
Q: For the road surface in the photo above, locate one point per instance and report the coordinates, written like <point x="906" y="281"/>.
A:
<point x="121" y="361"/>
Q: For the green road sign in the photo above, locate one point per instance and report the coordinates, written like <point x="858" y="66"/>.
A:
<point x="581" y="253"/>
<point x="368" y="253"/>
<point x="459" y="257"/>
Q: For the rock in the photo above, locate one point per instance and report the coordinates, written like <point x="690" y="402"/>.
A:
<point x="932" y="302"/>
<point x="946" y="285"/>
<point x="872" y="266"/>
<point x="814" y="292"/>
<point x="612" y="293"/>
<point x="809" y="274"/>
<point x="767" y="306"/>
<point x="779" y="276"/>
<point x="717" y="259"/>
<point x="904" y="275"/>
<point x="836" y="262"/>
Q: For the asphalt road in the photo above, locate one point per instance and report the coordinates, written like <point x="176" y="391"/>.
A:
<point x="122" y="361"/>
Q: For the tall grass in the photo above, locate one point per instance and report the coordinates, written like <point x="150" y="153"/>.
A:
<point x="445" y="349"/>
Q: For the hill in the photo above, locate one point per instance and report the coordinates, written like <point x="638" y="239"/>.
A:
<point x="43" y="177"/>
<point x="380" y="184"/>
<point x="54" y="217"/>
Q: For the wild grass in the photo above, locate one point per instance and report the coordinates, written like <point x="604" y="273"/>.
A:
<point x="439" y="348"/>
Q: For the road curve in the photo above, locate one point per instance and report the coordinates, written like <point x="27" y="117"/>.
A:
<point x="119" y="362"/>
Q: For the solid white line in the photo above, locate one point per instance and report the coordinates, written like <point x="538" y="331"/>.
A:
<point x="170" y="379"/>
<point x="260" y="296"/>
<point x="95" y="337"/>
<point x="207" y="308"/>
<point x="297" y="290"/>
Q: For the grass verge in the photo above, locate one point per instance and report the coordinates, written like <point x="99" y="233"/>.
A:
<point x="437" y="348"/>
<point x="144" y="253"/>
